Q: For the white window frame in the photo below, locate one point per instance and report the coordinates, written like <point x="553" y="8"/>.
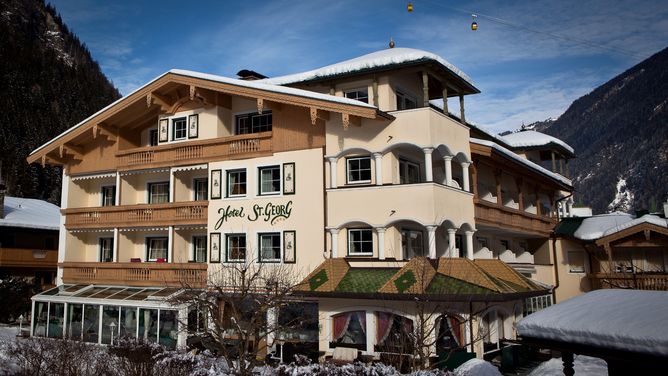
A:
<point x="404" y="163"/>
<point x="350" y="241"/>
<point x="149" y="185"/>
<point x="149" y="249"/>
<point x="259" y="180"/>
<point x="200" y="180"/>
<point x="348" y="170"/>
<point x="260" y="250"/>
<point x="228" y="190"/>
<point x="250" y="116"/>
<point x="409" y="252"/>
<point x="358" y="90"/>
<point x="101" y="248"/>
<point x="571" y="268"/>
<point x="193" y="257"/>
<point x="227" y="247"/>
<point x="103" y="197"/>
<point x="185" y="128"/>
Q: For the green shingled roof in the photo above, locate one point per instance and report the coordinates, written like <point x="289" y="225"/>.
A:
<point x="568" y="226"/>
<point x="443" y="284"/>
<point x="365" y="279"/>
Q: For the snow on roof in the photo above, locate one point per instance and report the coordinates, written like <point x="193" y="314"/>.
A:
<point x="533" y="138"/>
<point x="378" y="59"/>
<point x="593" y="228"/>
<point x="257" y="84"/>
<point x="30" y="213"/>
<point x="647" y="218"/>
<point x="524" y="161"/>
<point x="627" y="320"/>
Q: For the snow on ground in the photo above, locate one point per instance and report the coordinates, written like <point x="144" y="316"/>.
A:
<point x="627" y="320"/>
<point x="584" y="365"/>
<point x="477" y="367"/>
<point x="8" y="333"/>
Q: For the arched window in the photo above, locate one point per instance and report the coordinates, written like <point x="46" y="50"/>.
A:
<point x="451" y="333"/>
<point x="394" y="333"/>
<point x="349" y="330"/>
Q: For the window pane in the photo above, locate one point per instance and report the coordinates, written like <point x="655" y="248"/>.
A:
<point x="56" y="317"/>
<point x="168" y="329"/>
<point x="201" y="189"/>
<point x="270" y="180"/>
<point x="360" y="241"/>
<point x="91" y="323"/>
<point x="158" y="193"/>
<point x="199" y="249"/>
<point x="359" y="170"/>
<point x="270" y="247"/>
<point x="109" y="317"/>
<point x="74" y="316"/>
<point x="128" y="322"/>
<point x="148" y="324"/>
<point x="236" y="182"/>
<point x="179" y="129"/>
<point x="236" y="247"/>
<point x="157" y="248"/>
<point x="106" y="249"/>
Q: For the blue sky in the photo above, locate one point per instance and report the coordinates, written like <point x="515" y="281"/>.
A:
<point x="524" y="76"/>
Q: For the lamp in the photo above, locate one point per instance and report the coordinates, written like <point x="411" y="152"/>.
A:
<point x="409" y="7"/>
<point x="474" y="24"/>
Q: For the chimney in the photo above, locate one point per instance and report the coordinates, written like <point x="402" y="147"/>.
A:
<point x="3" y="190"/>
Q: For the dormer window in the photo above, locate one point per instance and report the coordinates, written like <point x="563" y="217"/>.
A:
<point x="253" y="122"/>
<point x="179" y="129"/>
<point x="361" y="95"/>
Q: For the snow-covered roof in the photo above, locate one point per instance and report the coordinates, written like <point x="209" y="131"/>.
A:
<point x="594" y="227"/>
<point x="30" y="213"/>
<point x="627" y="320"/>
<point x="378" y="59"/>
<point x="647" y="218"/>
<point x="257" y="84"/>
<point x="527" y="139"/>
<point x="523" y="161"/>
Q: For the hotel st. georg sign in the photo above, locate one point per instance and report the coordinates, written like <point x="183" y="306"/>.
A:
<point x="269" y="212"/>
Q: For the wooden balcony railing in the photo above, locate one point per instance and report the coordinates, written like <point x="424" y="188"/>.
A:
<point x="489" y="213"/>
<point x="174" y="213"/>
<point x="135" y="274"/>
<point x="18" y="257"/>
<point x="644" y="281"/>
<point x="248" y="145"/>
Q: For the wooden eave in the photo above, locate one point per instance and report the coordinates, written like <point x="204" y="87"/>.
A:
<point x="514" y="166"/>
<point x="109" y="118"/>
<point x="645" y="228"/>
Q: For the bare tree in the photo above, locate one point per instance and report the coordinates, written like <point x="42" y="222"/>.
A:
<point x="242" y="301"/>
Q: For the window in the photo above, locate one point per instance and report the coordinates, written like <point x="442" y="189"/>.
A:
<point x="236" y="183"/>
<point x="156" y="249"/>
<point x="253" y="123"/>
<point x="152" y="137"/>
<point x="270" y="247"/>
<point x="199" y="249"/>
<point x="405" y="101"/>
<point x="412" y="243"/>
<point x="504" y="245"/>
<point x="349" y="329"/>
<point x="360" y="242"/>
<point x="109" y="196"/>
<point x="201" y="189"/>
<point x="409" y="172"/>
<point x="270" y="180"/>
<point x="359" y="170"/>
<point x="158" y="193"/>
<point x="576" y="262"/>
<point x="179" y="129"/>
<point x="361" y="95"/>
<point x="236" y="247"/>
<point x="106" y="250"/>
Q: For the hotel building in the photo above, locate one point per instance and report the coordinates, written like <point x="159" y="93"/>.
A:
<point x="348" y="173"/>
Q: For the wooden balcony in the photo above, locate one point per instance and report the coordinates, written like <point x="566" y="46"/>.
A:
<point x="643" y="281"/>
<point x="135" y="274"/>
<point x="192" y="152"/>
<point x="24" y="258"/>
<point x="495" y="215"/>
<point x="174" y="213"/>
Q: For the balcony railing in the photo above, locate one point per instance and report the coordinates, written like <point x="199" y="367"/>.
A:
<point x="18" y="257"/>
<point x="502" y="216"/>
<point x="247" y="145"/>
<point x="175" y="213"/>
<point x="644" y="281"/>
<point x="135" y="274"/>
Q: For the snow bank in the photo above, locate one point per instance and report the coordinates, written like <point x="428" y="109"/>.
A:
<point x="627" y="320"/>
<point x="534" y="138"/>
<point x="477" y="367"/>
<point x="584" y="365"/>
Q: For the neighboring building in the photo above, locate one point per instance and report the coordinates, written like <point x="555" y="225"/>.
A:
<point x="29" y="239"/>
<point x="346" y="172"/>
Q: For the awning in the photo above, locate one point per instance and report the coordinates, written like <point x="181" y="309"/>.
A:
<point x="96" y="176"/>
<point x="110" y="295"/>
<point x="191" y="168"/>
<point x="139" y="172"/>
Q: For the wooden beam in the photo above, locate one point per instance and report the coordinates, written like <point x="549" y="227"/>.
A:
<point x="110" y="132"/>
<point x="75" y="151"/>
<point x="462" y="115"/>
<point x="154" y="98"/>
<point x="260" y="105"/>
<point x="318" y="115"/>
<point x="374" y="88"/>
<point x="345" y="119"/>
<point x="425" y="89"/>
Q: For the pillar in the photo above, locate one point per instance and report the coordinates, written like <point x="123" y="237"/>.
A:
<point x="465" y="176"/>
<point x="452" y="242"/>
<point x="447" y="160"/>
<point x="461" y="109"/>
<point x="569" y="207"/>
<point x="170" y="244"/>
<point x="115" y="248"/>
<point x="554" y="163"/>
<point x="445" y="99"/>
<point x="375" y="92"/>
<point x="62" y="235"/>
<point x="425" y="89"/>
<point x="429" y="176"/>
<point x="380" y="232"/>
<point x="117" y="198"/>
<point x="332" y="172"/>
<point x="469" y="244"/>
<point x="370" y="331"/>
<point x="431" y="230"/>
<point x="171" y="185"/>
<point x="378" y="158"/>
<point x="334" y="240"/>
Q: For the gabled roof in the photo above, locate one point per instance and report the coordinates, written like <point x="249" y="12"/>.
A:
<point x="30" y="213"/>
<point x="380" y="60"/>
<point x="529" y="140"/>
<point x="456" y="279"/>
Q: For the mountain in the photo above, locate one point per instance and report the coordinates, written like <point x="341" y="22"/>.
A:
<point x="620" y="134"/>
<point x="49" y="82"/>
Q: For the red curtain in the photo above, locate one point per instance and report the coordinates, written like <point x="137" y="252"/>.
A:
<point x="341" y="322"/>
<point x="455" y="328"/>
<point x="383" y="325"/>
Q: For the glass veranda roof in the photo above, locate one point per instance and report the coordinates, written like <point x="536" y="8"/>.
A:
<point x="111" y="292"/>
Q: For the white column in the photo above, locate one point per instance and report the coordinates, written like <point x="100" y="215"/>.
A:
<point x="379" y="168"/>
<point x="62" y="234"/>
<point x="569" y="207"/>
<point x="447" y="160"/>
<point x="469" y="244"/>
<point x="32" y="316"/>
<point x="101" y="327"/>
<point x="115" y="248"/>
<point x="332" y="171"/>
<point x="452" y="242"/>
<point x="170" y="244"/>
<point x="428" y="173"/>
<point x="370" y="331"/>
<point x="334" y="240"/>
<point x="117" y="197"/>
<point x="66" y="306"/>
<point x="465" y="176"/>
<point x="432" y="241"/>
<point x="380" y="231"/>
<point x="171" y="185"/>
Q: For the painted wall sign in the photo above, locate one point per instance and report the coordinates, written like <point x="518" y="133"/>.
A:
<point x="270" y="212"/>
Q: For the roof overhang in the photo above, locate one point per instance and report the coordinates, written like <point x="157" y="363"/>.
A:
<point x="642" y="228"/>
<point x="494" y="297"/>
